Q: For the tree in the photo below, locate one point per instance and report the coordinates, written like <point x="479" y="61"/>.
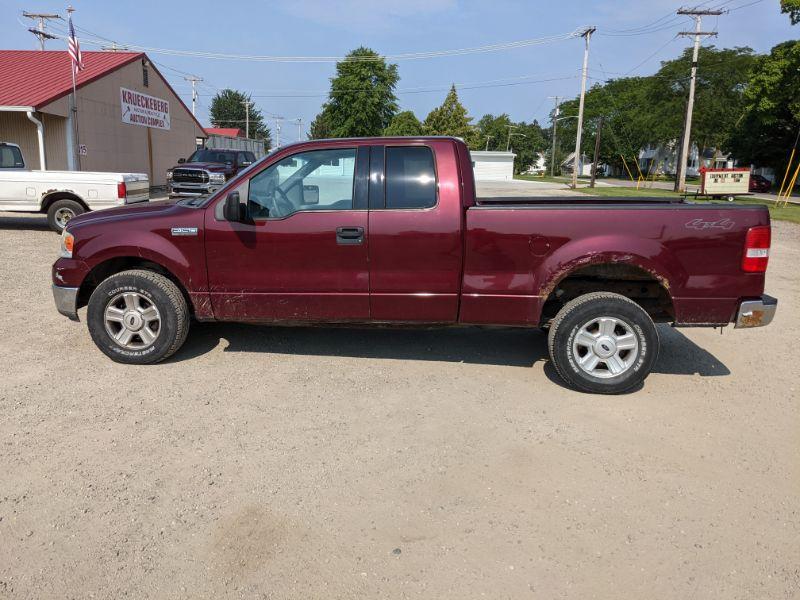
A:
<point x="228" y="110"/>
<point x="320" y="127"/>
<point x="792" y="7"/>
<point x="450" y="118"/>
<point x="361" y="101"/>
<point x="527" y="141"/>
<point x="404" y="123"/>
<point x="649" y="111"/>
<point x="768" y="128"/>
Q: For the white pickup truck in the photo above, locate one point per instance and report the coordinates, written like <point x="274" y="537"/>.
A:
<point x="64" y="194"/>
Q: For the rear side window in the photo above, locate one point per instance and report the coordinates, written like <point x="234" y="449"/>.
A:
<point x="410" y="177"/>
<point x="11" y="158"/>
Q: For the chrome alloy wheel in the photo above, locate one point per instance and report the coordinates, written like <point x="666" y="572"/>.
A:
<point x="63" y="216"/>
<point x="605" y="347"/>
<point x="132" y="321"/>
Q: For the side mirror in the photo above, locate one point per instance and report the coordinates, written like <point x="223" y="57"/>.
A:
<point x="234" y="210"/>
<point x="310" y="194"/>
<point x="181" y="161"/>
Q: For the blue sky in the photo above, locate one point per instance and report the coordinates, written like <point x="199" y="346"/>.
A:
<point x="332" y="28"/>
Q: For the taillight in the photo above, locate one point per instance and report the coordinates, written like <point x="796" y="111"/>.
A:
<point x="756" y="249"/>
<point x="122" y="190"/>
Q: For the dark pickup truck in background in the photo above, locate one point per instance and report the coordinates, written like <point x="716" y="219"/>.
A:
<point x="206" y="170"/>
<point x="389" y="231"/>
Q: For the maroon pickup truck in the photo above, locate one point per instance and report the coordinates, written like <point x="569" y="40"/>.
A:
<point x="389" y="231"/>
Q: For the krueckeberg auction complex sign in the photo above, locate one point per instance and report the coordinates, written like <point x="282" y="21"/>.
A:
<point x="141" y="109"/>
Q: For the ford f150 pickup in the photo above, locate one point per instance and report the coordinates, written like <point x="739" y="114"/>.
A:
<point x="389" y="231"/>
<point x="62" y="195"/>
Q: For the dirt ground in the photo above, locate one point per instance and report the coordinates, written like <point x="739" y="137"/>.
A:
<point x="333" y="463"/>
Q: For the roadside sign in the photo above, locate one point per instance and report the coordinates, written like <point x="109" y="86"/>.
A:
<point x="144" y="110"/>
<point x="724" y="182"/>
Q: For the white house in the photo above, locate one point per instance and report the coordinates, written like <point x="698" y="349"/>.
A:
<point x="493" y="166"/>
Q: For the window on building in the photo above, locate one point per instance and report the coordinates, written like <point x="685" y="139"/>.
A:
<point x="410" y="177"/>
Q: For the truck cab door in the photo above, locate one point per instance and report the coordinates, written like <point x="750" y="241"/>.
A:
<point x="302" y="255"/>
<point x="415" y="248"/>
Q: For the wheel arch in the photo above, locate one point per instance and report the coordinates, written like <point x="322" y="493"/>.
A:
<point x="49" y="198"/>
<point x="111" y="266"/>
<point x="626" y="275"/>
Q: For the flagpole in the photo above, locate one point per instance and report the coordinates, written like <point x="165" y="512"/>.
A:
<point x="74" y="107"/>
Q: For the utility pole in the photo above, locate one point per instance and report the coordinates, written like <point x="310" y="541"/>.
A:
<point x="278" y="131"/>
<point x="194" y="80"/>
<point x="587" y="34"/>
<point x="299" y="121"/>
<point x="488" y="137"/>
<point x="247" y="105"/>
<point x="596" y="151"/>
<point x="555" y="121"/>
<point x="683" y="151"/>
<point x="40" y="30"/>
<point x="508" y="143"/>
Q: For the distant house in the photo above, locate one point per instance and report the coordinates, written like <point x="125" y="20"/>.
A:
<point x="662" y="160"/>
<point x="584" y="165"/>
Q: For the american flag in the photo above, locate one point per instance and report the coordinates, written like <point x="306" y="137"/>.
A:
<point x="74" y="49"/>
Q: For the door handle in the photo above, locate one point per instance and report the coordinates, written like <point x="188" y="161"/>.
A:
<point x="349" y="235"/>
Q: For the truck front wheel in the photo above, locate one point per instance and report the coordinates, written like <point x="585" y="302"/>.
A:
<point x="603" y="343"/>
<point x="138" y="317"/>
<point x="61" y="212"/>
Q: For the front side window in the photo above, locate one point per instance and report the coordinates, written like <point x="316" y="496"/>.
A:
<point x="314" y="180"/>
<point x="410" y="177"/>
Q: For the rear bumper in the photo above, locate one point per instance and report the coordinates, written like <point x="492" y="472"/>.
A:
<point x="66" y="299"/>
<point x="756" y="313"/>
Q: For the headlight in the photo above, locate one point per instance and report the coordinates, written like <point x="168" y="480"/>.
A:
<point x="67" y="242"/>
<point x="169" y="174"/>
<point x="216" y="177"/>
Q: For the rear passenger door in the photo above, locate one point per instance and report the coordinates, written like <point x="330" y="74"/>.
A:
<point x="414" y="233"/>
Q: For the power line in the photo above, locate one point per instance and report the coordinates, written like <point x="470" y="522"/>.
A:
<point x="502" y="46"/>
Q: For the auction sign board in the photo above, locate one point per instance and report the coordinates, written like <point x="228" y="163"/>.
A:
<point x="144" y="110"/>
<point x="724" y="182"/>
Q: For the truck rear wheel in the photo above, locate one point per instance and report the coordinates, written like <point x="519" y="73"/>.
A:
<point x="61" y="212"/>
<point x="603" y="343"/>
<point x="138" y="317"/>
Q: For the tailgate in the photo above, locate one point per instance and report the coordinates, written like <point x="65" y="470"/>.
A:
<point x="138" y="188"/>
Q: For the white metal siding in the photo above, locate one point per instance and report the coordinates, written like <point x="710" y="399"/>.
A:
<point x="493" y="166"/>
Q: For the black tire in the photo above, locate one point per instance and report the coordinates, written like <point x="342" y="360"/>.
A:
<point x="630" y="319"/>
<point x="152" y="289"/>
<point x="61" y="211"/>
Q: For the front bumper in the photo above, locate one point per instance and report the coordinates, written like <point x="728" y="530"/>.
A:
<point x="66" y="301"/>
<point x="756" y="313"/>
<point x="193" y="189"/>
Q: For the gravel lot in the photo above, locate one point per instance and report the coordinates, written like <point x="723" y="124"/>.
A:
<point x="263" y="462"/>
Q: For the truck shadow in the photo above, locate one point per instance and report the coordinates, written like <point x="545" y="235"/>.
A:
<point x="471" y="345"/>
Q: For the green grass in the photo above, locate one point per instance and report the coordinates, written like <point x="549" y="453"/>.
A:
<point x="790" y="212"/>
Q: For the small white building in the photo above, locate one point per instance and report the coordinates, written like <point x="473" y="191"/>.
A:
<point x="493" y="166"/>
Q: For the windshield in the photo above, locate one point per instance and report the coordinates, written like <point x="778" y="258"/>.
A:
<point x="11" y="158"/>
<point x="212" y="156"/>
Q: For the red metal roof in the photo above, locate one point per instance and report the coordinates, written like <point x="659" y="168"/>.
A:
<point x="228" y="131"/>
<point x="36" y="78"/>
